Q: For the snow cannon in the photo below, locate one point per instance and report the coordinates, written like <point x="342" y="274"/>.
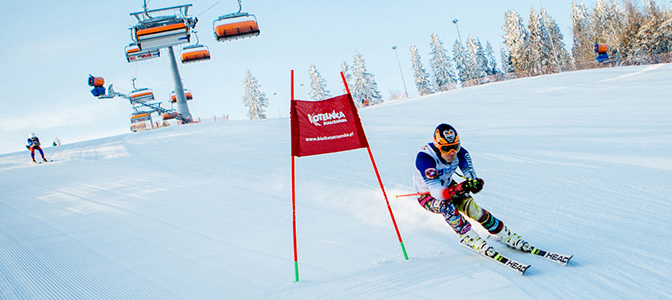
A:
<point x="601" y="50"/>
<point x="96" y="81"/>
<point x="98" y="91"/>
<point x="97" y="84"/>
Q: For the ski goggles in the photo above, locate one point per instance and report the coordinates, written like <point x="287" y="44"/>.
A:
<point x="450" y="148"/>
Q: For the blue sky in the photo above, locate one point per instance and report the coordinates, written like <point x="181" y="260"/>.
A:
<point x="50" y="48"/>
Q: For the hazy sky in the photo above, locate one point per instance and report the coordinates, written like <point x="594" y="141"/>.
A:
<point x="50" y="48"/>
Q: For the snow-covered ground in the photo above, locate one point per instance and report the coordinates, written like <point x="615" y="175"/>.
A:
<point x="578" y="162"/>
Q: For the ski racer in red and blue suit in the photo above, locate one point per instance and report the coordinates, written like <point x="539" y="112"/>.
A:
<point x="435" y="165"/>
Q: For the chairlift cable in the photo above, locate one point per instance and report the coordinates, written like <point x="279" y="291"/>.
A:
<point x="209" y="8"/>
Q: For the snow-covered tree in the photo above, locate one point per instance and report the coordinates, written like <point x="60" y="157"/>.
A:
<point x="655" y="35"/>
<point x="422" y="81"/>
<point x="318" y="86"/>
<point x="346" y="72"/>
<point x="634" y="19"/>
<point x="507" y="65"/>
<point x="607" y="23"/>
<point x="557" y="42"/>
<point x="583" y="43"/>
<point x="441" y="65"/>
<point x="254" y="98"/>
<point x="365" y="89"/>
<point x="491" y="61"/>
<point x="539" y="51"/>
<point x="461" y="59"/>
<point x="516" y="40"/>
<point x="477" y="61"/>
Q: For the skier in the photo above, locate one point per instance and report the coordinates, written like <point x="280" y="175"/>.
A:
<point x="34" y="144"/>
<point x="435" y="165"/>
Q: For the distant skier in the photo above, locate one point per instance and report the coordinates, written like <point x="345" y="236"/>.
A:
<point x="435" y="165"/>
<point x="34" y="144"/>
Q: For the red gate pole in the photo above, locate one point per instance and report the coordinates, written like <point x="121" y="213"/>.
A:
<point x="296" y="255"/>
<point x="387" y="202"/>
<point x="382" y="188"/>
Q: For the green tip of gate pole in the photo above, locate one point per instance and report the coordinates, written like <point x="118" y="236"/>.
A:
<point x="296" y="270"/>
<point x="402" y="248"/>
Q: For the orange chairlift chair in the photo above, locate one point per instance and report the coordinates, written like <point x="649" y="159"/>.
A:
<point x="194" y="53"/>
<point x="170" y="115"/>
<point x="161" y="28"/>
<point x="143" y="94"/>
<point x="134" y="54"/>
<point x="187" y="94"/>
<point x="235" y="25"/>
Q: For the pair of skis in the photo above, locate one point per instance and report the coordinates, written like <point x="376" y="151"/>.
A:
<point x="519" y="267"/>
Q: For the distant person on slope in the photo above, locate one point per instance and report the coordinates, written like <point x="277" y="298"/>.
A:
<point x="435" y="165"/>
<point x="34" y="144"/>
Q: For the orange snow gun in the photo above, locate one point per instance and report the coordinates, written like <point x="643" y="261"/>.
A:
<point x="97" y="84"/>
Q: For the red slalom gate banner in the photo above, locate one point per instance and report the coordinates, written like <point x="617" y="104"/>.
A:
<point x="327" y="126"/>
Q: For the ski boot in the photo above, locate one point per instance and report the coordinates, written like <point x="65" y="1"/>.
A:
<point x="474" y="241"/>
<point x="513" y="240"/>
<point x="44" y="159"/>
<point x="34" y="161"/>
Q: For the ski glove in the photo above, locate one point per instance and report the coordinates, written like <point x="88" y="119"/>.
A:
<point x="473" y="185"/>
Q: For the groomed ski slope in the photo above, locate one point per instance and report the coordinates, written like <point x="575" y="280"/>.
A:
<point x="578" y="163"/>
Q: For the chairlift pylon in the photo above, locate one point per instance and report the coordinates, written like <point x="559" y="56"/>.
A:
<point x="236" y="25"/>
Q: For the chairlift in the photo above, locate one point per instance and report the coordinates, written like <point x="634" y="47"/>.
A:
<point x="134" y="54"/>
<point x="161" y="34"/>
<point x="139" y="121"/>
<point x="170" y="115"/>
<point x="235" y="26"/>
<point x="196" y="52"/>
<point x="187" y="95"/>
<point x="164" y="27"/>
<point x="143" y="94"/>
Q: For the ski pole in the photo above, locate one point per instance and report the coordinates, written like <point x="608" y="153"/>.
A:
<point x="410" y="195"/>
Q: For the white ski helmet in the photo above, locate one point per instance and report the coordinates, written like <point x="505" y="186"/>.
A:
<point x="32" y="135"/>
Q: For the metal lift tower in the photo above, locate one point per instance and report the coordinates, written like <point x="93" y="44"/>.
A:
<point x="165" y="28"/>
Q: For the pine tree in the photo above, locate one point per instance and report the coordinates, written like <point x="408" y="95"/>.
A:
<point x="477" y="61"/>
<point x="365" y="89"/>
<point x="634" y="18"/>
<point x="583" y="42"/>
<point x="654" y="35"/>
<point x="491" y="61"/>
<point x="507" y="64"/>
<point x="607" y="23"/>
<point x="516" y="40"/>
<point x="421" y="76"/>
<point x="540" y="52"/>
<point x="461" y="58"/>
<point x="441" y="65"/>
<point x="318" y="86"/>
<point x="345" y="69"/>
<point x="254" y="98"/>
<point x="560" y="50"/>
